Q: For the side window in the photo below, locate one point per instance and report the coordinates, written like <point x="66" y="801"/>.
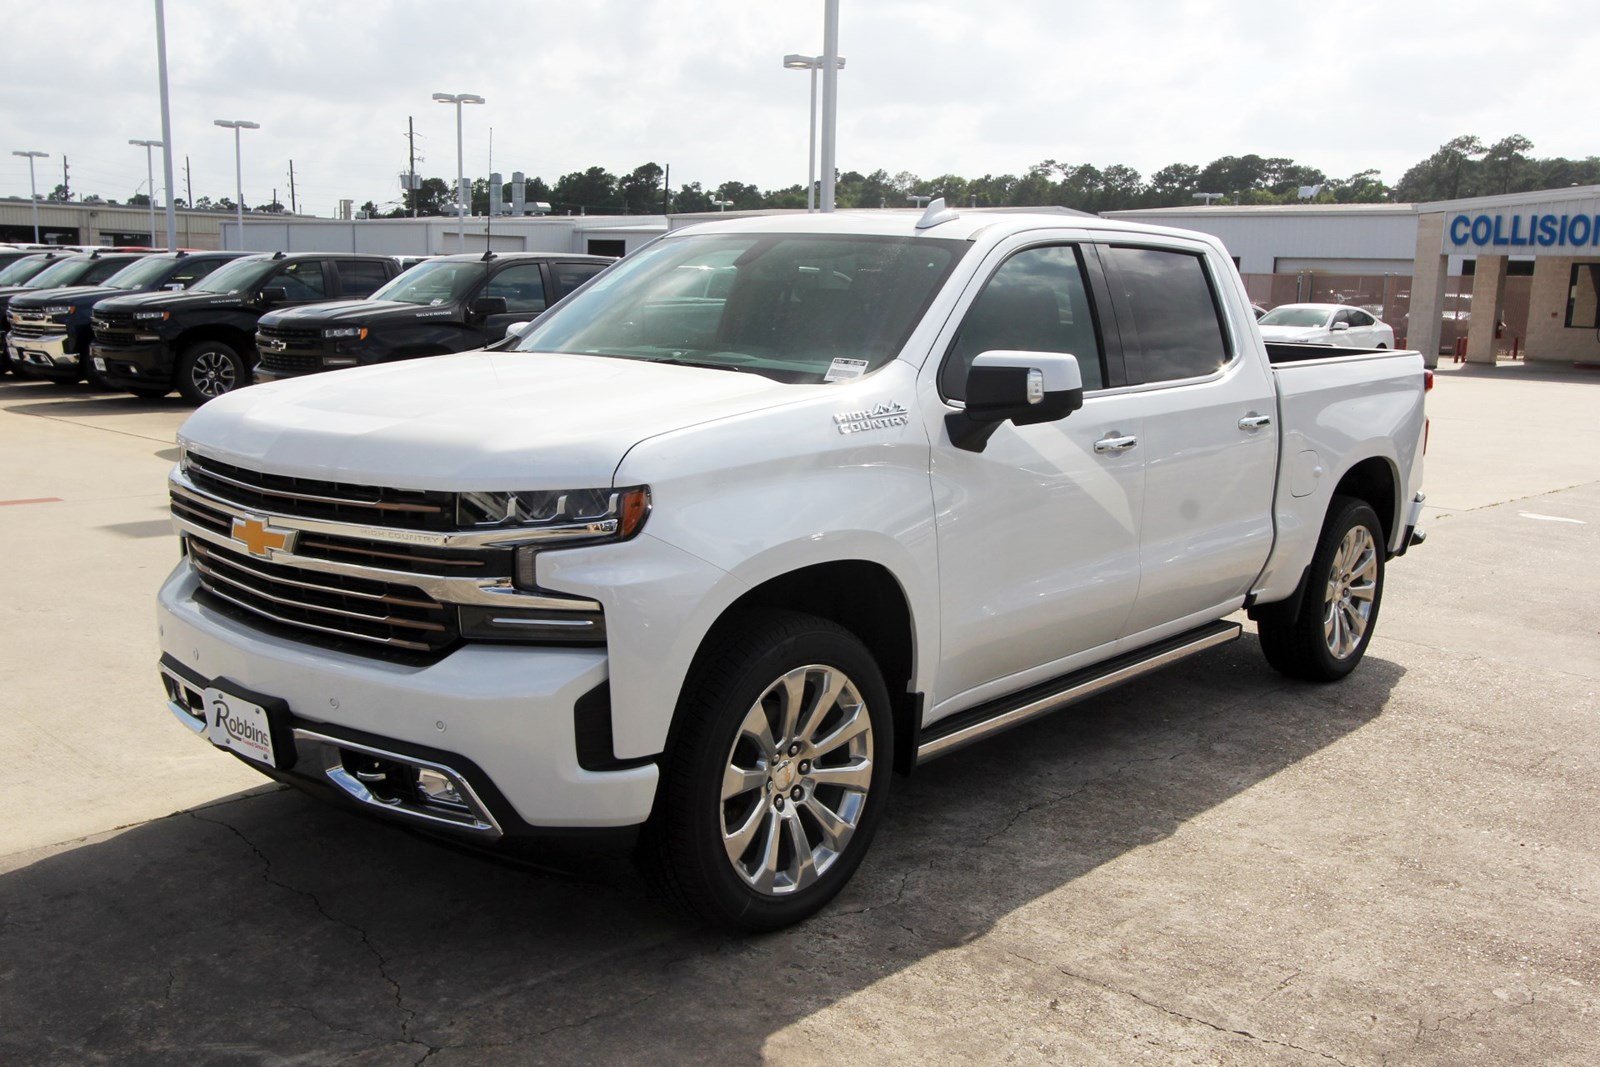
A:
<point x="102" y="270"/>
<point x="571" y="275"/>
<point x="1361" y="318"/>
<point x="301" y="280"/>
<point x="193" y="270"/>
<point x="1166" y="312"/>
<point x="360" y="277"/>
<point x="1342" y="316"/>
<point x="1036" y="302"/>
<point x="521" y="285"/>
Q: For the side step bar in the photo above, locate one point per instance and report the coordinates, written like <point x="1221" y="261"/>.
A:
<point x="975" y="724"/>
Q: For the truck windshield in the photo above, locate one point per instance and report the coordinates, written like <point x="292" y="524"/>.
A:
<point x="64" y="272"/>
<point x="240" y="274"/>
<point x="794" y="307"/>
<point x="437" y="282"/>
<point x="23" y="269"/>
<point x="141" y="274"/>
<point x="1292" y="316"/>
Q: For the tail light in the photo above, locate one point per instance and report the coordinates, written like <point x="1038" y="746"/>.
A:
<point x="1427" y="380"/>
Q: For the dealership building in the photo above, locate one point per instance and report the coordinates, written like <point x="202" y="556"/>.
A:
<point x="1534" y="258"/>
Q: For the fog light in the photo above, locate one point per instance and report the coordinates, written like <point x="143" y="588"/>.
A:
<point x="436" y="787"/>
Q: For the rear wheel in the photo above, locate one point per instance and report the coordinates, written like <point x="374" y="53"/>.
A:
<point x="779" y="774"/>
<point x="208" y="369"/>
<point x="1329" y="633"/>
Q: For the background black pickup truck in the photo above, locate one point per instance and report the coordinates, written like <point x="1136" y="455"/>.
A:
<point x="446" y="304"/>
<point x="48" y="331"/>
<point x="202" y="340"/>
<point x="49" y="270"/>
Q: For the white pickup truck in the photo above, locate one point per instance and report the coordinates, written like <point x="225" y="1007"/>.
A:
<point x="764" y="513"/>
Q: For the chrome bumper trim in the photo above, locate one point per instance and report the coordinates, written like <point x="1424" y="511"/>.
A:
<point x="475" y="818"/>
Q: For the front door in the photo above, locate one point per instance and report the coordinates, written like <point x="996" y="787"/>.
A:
<point x="1039" y="532"/>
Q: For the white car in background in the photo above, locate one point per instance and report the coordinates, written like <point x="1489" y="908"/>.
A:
<point x="1325" y="324"/>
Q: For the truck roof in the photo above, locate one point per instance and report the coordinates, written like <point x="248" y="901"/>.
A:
<point x="966" y="224"/>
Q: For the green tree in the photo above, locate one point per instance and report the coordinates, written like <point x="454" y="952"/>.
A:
<point x="1506" y="166"/>
<point x="58" y="194"/>
<point x="691" y="199"/>
<point x="593" y="190"/>
<point x="743" y="197"/>
<point x="641" y="190"/>
<point x="1446" y="175"/>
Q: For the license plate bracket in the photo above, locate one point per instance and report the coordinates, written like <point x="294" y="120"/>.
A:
<point x="251" y="725"/>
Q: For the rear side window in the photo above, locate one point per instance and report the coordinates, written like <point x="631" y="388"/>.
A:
<point x="360" y="277"/>
<point x="522" y="286"/>
<point x="1361" y="318"/>
<point x="1035" y="302"/>
<point x="101" y="270"/>
<point x="1167" y="314"/>
<point x="571" y="275"/>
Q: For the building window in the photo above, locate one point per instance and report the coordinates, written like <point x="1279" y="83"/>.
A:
<point x="1583" y="297"/>
<point x="606" y="247"/>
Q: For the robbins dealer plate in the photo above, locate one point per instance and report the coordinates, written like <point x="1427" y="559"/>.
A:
<point x="239" y="725"/>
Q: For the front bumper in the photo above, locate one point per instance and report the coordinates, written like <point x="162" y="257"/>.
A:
<point x="127" y="366"/>
<point x="500" y="719"/>
<point x="45" y="356"/>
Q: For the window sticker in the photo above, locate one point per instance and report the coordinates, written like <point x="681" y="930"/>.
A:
<point x="842" y="370"/>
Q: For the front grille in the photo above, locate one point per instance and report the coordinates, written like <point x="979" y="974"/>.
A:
<point x="289" y="362"/>
<point x="113" y="328"/>
<point x="278" y="494"/>
<point x="29" y="331"/>
<point x="336" y="608"/>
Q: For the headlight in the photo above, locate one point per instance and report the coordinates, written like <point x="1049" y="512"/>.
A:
<point x="553" y="518"/>
<point x="60" y="309"/>
<point x="358" y="333"/>
<point x="147" y="316"/>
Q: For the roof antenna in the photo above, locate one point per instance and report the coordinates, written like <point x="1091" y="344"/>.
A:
<point x="935" y="214"/>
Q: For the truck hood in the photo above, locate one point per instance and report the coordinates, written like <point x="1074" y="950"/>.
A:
<point x="474" y="421"/>
<point x="357" y="312"/>
<point x="171" y="300"/>
<point x="77" y="295"/>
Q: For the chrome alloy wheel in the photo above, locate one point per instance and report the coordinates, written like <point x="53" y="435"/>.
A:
<point x="796" y="780"/>
<point x="212" y="374"/>
<point x="1352" y="588"/>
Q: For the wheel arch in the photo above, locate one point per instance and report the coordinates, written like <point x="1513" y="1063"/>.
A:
<point x="1375" y="480"/>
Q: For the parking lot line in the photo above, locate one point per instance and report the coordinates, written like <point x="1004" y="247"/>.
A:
<point x="34" y="500"/>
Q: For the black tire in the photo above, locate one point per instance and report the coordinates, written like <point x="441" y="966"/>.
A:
<point x="683" y="851"/>
<point x="209" y="369"/>
<point x="1298" y="645"/>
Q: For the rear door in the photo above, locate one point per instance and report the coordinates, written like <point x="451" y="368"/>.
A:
<point x="1210" y="440"/>
<point x="568" y="276"/>
<point x="522" y="286"/>
<point x="360" y="278"/>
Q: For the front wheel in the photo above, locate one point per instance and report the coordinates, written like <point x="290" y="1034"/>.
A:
<point x="208" y="369"/>
<point x="779" y="774"/>
<point x="1325" y="639"/>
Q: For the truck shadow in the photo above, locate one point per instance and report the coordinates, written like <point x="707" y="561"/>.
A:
<point x="270" y="927"/>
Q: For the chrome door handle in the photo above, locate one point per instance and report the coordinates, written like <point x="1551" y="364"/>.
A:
<point x="1255" y="422"/>
<point x="1115" y="444"/>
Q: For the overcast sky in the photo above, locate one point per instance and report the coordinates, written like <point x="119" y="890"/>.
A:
<point x="931" y="87"/>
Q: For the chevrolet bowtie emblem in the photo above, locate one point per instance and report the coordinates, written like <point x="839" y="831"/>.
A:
<point x="259" y="539"/>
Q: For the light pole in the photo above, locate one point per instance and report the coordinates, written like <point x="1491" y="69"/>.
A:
<point x="462" y="196"/>
<point x="150" y="174"/>
<point x="830" y="99"/>
<point x="33" y="190"/>
<point x="794" y="61"/>
<point x="721" y="205"/>
<point x="238" y="166"/>
<point x="166" y="123"/>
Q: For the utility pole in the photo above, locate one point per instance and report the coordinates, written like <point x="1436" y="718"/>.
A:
<point x="188" y="184"/>
<point x="294" y="205"/>
<point x="666" y="190"/>
<point x="66" y="185"/>
<point x="411" y="163"/>
<point x="274" y="196"/>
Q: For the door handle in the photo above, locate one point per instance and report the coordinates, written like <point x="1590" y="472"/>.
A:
<point x="1114" y="443"/>
<point x="1254" y="422"/>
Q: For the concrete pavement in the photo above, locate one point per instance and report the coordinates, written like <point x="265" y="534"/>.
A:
<point x="1212" y="865"/>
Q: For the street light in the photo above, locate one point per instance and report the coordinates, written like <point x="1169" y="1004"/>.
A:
<point x="238" y="167"/>
<point x="721" y="205"/>
<point x="33" y="190"/>
<point x="918" y="200"/>
<point x="150" y="175"/>
<point x="1209" y="198"/>
<point x="794" y="61"/>
<point x="462" y="196"/>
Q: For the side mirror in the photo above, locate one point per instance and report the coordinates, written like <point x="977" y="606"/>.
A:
<point x="1023" y="388"/>
<point x="485" y="306"/>
<point x="275" y="294"/>
<point x="517" y="329"/>
<point x="1336" y="327"/>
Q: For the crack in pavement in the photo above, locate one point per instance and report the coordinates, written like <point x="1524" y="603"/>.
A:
<point x="1087" y="980"/>
<point x="408" y="1014"/>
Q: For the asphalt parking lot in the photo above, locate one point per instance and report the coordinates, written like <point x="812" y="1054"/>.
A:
<point x="1211" y="865"/>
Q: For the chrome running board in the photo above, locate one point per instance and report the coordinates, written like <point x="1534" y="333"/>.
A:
<point x="975" y="724"/>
